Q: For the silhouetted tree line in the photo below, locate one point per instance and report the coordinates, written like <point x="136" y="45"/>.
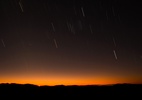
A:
<point x="90" y="92"/>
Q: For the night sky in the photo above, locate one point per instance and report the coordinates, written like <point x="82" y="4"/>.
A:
<point x="70" y="42"/>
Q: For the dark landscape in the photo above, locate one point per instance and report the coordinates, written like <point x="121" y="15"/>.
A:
<point x="26" y="91"/>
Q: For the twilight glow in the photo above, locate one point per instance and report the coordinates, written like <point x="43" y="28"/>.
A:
<point x="75" y="42"/>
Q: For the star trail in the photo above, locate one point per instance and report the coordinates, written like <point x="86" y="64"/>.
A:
<point x="70" y="42"/>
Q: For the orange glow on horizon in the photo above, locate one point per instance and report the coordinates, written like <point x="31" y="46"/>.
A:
<point x="64" y="81"/>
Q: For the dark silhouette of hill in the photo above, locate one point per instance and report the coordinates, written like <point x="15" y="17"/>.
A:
<point x="90" y="92"/>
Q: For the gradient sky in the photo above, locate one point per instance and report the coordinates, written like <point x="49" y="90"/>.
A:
<point x="70" y="42"/>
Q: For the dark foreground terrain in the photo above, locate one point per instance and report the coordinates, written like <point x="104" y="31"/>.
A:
<point x="28" y="91"/>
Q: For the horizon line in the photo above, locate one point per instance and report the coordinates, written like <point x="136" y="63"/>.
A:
<point x="72" y="84"/>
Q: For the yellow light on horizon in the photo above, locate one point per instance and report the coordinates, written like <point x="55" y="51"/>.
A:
<point x="51" y="81"/>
